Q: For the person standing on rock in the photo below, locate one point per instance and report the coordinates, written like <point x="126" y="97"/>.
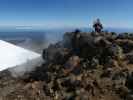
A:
<point x="97" y="26"/>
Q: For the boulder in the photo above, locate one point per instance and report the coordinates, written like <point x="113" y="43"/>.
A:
<point x="72" y="64"/>
<point x="56" y="54"/>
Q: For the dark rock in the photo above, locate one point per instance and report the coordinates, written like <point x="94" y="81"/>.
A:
<point x="129" y="57"/>
<point x="72" y="65"/>
<point x="129" y="82"/>
<point x="126" y="44"/>
<point x="129" y="97"/>
<point x="56" y="55"/>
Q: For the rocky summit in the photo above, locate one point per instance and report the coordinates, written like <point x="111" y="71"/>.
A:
<point x="83" y="66"/>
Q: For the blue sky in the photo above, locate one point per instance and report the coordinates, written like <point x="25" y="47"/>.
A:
<point x="66" y="13"/>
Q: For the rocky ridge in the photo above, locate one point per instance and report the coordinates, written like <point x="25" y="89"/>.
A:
<point x="83" y="66"/>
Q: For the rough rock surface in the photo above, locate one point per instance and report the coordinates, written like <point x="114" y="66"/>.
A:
<point x="84" y="66"/>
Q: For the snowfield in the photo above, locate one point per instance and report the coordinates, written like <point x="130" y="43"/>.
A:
<point x="14" y="56"/>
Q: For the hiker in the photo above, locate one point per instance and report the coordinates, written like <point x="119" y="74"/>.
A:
<point x="97" y="26"/>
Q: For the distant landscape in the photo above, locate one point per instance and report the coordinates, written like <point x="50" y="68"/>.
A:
<point x="38" y="39"/>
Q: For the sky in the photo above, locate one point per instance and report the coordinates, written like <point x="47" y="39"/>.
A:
<point x="66" y="13"/>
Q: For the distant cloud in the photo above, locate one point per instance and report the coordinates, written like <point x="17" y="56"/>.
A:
<point x="23" y="27"/>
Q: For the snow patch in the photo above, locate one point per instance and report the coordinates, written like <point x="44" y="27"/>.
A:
<point x="17" y="59"/>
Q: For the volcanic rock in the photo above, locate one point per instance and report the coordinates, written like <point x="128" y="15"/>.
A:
<point x="83" y="66"/>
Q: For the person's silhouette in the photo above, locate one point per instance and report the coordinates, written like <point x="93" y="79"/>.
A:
<point x="97" y="26"/>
